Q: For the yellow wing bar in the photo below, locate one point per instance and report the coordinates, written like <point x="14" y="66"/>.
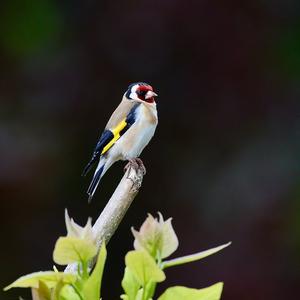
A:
<point x="116" y="133"/>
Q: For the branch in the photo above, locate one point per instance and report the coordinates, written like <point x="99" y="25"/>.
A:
<point x="116" y="208"/>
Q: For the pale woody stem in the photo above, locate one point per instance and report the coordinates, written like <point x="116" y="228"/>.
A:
<point x="116" y="208"/>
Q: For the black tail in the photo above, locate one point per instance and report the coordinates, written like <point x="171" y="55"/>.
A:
<point x="93" y="186"/>
<point x="90" y="164"/>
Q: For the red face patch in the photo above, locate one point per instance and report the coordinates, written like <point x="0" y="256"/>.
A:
<point x="142" y="91"/>
<point x="145" y="88"/>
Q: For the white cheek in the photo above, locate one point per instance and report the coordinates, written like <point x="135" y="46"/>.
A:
<point x="134" y="96"/>
<point x="134" y="88"/>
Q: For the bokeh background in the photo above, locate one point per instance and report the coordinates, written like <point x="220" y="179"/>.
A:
<point x="224" y="162"/>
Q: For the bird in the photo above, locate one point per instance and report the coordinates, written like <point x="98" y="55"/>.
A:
<point x="127" y="132"/>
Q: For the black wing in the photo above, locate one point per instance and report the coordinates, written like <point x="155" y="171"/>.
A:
<point x="107" y="136"/>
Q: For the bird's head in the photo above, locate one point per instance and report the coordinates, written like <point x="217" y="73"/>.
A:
<point x="140" y="92"/>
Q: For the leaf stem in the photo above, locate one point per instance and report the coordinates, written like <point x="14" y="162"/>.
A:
<point x="77" y="291"/>
<point x="193" y="257"/>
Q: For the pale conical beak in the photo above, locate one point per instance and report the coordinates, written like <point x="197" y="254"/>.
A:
<point x="150" y="94"/>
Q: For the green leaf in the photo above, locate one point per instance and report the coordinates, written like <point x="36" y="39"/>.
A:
<point x="77" y="231"/>
<point x="91" y="288"/>
<point x="69" y="293"/>
<point x="143" y="267"/>
<point x="41" y="293"/>
<point x="140" y="294"/>
<point x="55" y="292"/>
<point x="169" y="238"/>
<point x="192" y="257"/>
<point x="180" y="292"/>
<point x="130" y="284"/>
<point x="50" y="278"/>
<point x="157" y="237"/>
<point x="69" y="250"/>
<point x="149" y="290"/>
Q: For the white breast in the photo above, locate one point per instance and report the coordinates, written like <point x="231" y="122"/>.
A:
<point x="132" y="143"/>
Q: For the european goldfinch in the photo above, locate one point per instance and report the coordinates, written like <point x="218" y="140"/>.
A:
<point x="127" y="133"/>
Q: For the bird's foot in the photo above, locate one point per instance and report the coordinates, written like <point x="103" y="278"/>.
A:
<point x="135" y="163"/>
<point x="141" y="165"/>
<point x="131" y="164"/>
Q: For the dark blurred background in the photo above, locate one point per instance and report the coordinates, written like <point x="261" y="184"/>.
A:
<point x="224" y="162"/>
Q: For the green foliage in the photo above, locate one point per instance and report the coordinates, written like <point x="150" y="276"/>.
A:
<point x="49" y="279"/>
<point x="180" y="292"/>
<point x="69" y="250"/>
<point x="130" y="285"/>
<point x="42" y="292"/>
<point x="193" y="257"/>
<point x="143" y="267"/>
<point x="91" y="288"/>
<point x="157" y="237"/>
<point x="77" y="247"/>
<point x="155" y="241"/>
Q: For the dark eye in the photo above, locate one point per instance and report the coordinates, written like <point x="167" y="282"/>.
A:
<point x="141" y="93"/>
